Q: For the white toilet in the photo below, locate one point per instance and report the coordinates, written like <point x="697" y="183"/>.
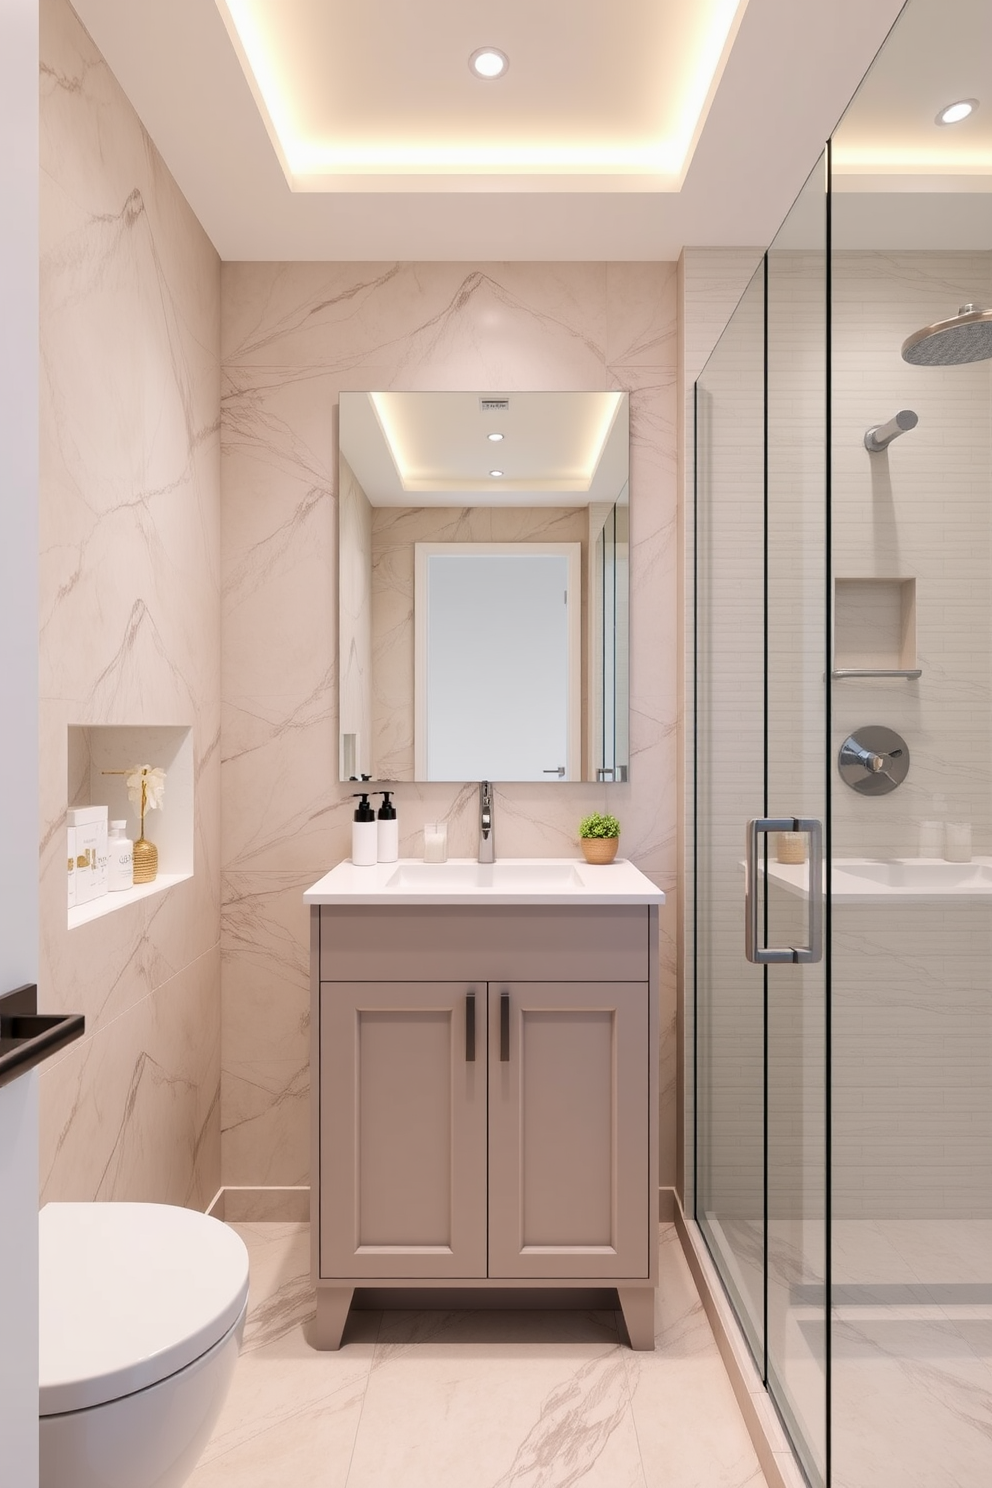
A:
<point x="142" y="1311"/>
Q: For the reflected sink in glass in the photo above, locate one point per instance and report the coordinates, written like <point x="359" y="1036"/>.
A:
<point x="536" y="878"/>
<point x="920" y="874"/>
<point x="893" y="881"/>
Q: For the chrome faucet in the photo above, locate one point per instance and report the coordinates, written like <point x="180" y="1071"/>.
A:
<point x="487" y="824"/>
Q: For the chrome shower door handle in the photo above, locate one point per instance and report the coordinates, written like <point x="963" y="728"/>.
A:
<point x="769" y="955"/>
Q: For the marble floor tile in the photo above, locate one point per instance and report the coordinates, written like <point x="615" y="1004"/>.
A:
<point x="494" y="1399"/>
<point x="689" y="1429"/>
<point x="292" y="1414"/>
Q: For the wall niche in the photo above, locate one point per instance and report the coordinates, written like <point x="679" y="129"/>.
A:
<point x="875" y="628"/>
<point x="96" y="748"/>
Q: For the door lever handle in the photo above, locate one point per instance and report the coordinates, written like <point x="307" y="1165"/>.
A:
<point x="560" y="772"/>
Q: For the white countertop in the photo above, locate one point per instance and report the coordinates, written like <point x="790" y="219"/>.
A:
<point x="463" y="881"/>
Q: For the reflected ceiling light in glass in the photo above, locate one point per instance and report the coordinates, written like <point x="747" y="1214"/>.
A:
<point x="488" y="62"/>
<point x="955" y="112"/>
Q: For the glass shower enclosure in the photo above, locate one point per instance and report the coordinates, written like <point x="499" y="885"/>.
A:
<point x="840" y="944"/>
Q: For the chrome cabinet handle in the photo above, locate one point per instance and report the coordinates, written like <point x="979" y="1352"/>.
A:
<point x="470" y="1027"/>
<point x="504" y="1027"/>
<point x="767" y="955"/>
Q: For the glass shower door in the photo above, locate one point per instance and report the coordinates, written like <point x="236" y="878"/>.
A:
<point x="797" y="766"/>
<point x="729" y="1147"/>
<point x="760" y="799"/>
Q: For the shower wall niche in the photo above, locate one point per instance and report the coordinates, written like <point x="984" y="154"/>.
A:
<point x="874" y="627"/>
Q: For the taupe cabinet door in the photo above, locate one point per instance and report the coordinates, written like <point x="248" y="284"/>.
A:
<point x="402" y="1130"/>
<point x="568" y="1130"/>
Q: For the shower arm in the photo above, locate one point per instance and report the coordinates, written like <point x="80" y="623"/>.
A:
<point x="880" y="436"/>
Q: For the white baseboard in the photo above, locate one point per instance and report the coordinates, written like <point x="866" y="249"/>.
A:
<point x="244" y="1205"/>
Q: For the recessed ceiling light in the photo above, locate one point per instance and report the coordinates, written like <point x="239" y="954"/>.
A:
<point x="495" y="472"/>
<point x="955" y="112"/>
<point x="488" y="62"/>
<point x="494" y="437"/>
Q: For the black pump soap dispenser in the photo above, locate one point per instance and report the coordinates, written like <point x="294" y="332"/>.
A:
<point x="388" y="828"/>
<point x="364" y="842"/>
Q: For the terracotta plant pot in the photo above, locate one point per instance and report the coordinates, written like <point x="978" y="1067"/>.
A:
<point x="600" y="849"/>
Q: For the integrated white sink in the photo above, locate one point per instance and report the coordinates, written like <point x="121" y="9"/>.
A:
<point x="507" y="881"/>
<point x="534" y="876"/>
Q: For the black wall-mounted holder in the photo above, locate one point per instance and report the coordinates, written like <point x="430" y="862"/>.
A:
<point x="27" y="1036"/>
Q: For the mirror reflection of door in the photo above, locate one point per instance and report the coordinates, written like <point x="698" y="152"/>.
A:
<point x="515" y="469"/>
<point x="498" y="661"/>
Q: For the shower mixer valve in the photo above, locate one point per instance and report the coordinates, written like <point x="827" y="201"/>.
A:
<point x="874" y="760"/>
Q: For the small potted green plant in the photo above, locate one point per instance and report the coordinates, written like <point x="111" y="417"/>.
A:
<point x="600" y="837"/>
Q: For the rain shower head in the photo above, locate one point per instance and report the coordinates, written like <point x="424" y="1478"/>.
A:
<point x="966" y="337"/>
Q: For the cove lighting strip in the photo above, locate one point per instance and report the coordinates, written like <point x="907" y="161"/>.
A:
<point x="313" y="165"/>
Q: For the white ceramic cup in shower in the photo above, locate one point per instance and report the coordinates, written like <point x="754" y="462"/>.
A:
<point x="957" y="842"/>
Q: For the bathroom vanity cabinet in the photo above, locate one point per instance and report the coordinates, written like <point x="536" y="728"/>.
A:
<point x="484" y="1101"/>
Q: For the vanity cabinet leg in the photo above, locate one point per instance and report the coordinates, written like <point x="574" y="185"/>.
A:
<point x="332" y="1314"/>
<point x="638" y="1313"/>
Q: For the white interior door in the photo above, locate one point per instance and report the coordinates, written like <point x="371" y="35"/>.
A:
<point x="19" y="736"/>
<point x="498" y="661"/>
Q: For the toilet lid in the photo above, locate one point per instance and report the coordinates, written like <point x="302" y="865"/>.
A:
<point x="130" y="1293"/>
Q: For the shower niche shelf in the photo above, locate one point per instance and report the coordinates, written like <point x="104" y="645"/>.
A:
<point x="94" y="748"/>
<point x="875" y="628"/>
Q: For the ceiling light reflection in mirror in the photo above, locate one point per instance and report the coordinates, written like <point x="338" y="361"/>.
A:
<point x="935" y="56"/>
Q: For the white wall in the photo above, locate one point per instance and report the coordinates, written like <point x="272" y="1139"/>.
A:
<point x="19" y="736"/>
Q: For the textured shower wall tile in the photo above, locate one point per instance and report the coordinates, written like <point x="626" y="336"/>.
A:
<point x="130" y="550"/>
<point x="133" y="1111"/>
<point x="913" y="1130"/>
<point x="294" y="336"/>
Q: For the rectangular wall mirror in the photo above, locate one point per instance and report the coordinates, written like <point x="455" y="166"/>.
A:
<point x="483" y="584"/>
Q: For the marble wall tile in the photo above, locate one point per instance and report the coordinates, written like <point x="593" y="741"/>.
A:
<point x="133" y="1110"/>
<point x="512" y="326"/>
<point x="266" y="1023"/>
<point x="130" y="611"/>
<point x="294" y="336"/>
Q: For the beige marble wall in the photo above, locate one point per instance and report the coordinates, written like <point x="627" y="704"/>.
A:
<point x="294" y="336"/>
<point x="130" y="611"/>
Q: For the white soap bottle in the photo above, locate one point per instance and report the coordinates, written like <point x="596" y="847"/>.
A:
<point x="120" y="857"/>
<point x="364" y="837"/>
<point x="388" y="830"/>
